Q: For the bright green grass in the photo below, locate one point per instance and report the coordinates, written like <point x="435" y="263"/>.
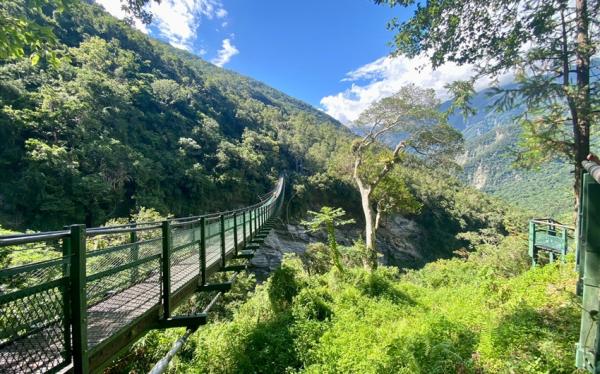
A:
<point x="489" y="314"/>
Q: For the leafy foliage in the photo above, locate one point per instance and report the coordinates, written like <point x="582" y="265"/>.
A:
<point x="329" y="218"/>
<point x="484" y="313"/>
<point x="129" y="122"/>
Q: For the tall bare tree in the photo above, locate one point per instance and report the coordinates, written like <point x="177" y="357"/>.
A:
<point x="411" y="120"/>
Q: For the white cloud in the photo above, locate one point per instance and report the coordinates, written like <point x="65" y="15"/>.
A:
<point x="114" y="7"/>
<point x="225" y="54"/>
<point x="221" y="13"/>
<point x="384" y="76"/>
<point x="176" y="20"/>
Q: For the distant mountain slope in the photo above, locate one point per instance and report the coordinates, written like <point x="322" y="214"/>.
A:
<point x="131" y="122"/>
<point x="490" y="139"/>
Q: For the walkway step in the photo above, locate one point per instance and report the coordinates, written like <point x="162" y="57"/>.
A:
<point x="234" y="268"/>
<point x="246" y="255"/>
<point x="223" y="287"/>
<point x="183" y="321"/>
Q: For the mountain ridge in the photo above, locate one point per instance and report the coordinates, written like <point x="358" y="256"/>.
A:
<point x="129" y="122"/>
<point x="491" y="138"/>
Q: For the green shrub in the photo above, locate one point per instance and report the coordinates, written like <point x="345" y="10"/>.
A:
<point x="482" y="314"/>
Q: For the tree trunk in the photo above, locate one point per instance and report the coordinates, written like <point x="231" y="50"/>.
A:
<point x="365" y="198"/>
<point x="581" y="125"/>
<point x="370" y="262"/>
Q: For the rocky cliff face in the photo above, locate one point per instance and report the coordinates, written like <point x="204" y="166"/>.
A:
<point x="395" y="239"/>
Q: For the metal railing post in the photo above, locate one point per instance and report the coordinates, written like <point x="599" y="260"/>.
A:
<point x="66" y="294"/>
<point x="565" y="242"/>
<point x="135" y="252"/>
<point x="78" y="300"/>
<point x="244" y="226"/>
<point x="255" y="221"/>
<point x="588" y="348"/>
<point x="222" y="219"/>
<point x="235" y="233"/>
<point x="166" y="267"/>
<point x="202" y="251"/>
<point x="250" y="225"/>
<point x="532" y="249"/>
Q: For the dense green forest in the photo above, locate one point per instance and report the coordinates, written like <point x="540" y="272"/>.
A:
<point x="491" y="144"/>
<point x="126" y="128"/>
<point x="127" y="122"/>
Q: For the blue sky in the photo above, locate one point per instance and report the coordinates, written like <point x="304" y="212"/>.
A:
<point x="332" y="54"/>
<point x="304" y="48"/>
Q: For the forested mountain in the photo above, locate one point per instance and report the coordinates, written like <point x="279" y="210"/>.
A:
<point x="130" y="122"/>
<point x="126" y="121"/>
<point x="491" y="138"/>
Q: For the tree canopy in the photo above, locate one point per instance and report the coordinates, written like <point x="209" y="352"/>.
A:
<point x="412" y="120"/>
<point x="547" y="45"/>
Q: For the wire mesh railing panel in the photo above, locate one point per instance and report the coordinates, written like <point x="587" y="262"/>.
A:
<point x="115" y="269"/>
<point x="228" y="223"/>
<point x="213" y="250"/>
<point x="34" y="332"/>
<point x="118" y="308"/>
<point x="229" y="240"/>
<point x="27" y="265"/>
<point x="213" y="240"/>
<point x="185" y="258"/>
<point x="213" y="228"/>
<point x="182" y="237"/>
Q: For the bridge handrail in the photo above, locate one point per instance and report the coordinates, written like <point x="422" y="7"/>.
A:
<point x="25" y="238"/>
<point x="77" y="273"/>
<point x="550" y="222"/>
<point x="592" y="168"/>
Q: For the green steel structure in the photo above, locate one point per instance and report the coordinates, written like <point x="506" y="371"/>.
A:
<point x="85" y="295"/>
<point x="549" y="236"/>
<point x="588" y="265"/>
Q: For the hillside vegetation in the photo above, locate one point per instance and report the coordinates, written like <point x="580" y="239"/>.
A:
<point x="491" y="142"/>
<point x="488" y="313"/>
<point x="130" y="122"/>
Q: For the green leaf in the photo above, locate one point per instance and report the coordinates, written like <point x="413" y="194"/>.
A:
<point x="35" y="58"/>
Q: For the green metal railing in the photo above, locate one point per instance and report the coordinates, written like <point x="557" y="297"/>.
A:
<point x="549" y="236"/>
<point x="78" y="296"/>
<point x="588" y="265"/>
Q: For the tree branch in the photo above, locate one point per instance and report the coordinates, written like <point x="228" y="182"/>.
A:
<point x="387" y="167"/>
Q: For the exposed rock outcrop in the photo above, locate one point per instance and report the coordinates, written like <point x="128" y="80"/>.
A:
<point x="396" y="240"/>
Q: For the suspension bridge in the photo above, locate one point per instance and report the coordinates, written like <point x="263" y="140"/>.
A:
<point x="86" y="294"/>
